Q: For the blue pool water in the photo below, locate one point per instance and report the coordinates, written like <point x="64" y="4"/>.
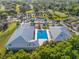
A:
<point x="42" y="34"/>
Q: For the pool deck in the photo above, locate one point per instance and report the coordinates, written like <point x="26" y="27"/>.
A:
<point x="41" y="41"/>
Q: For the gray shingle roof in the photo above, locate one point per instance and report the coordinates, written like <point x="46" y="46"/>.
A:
<point x="24" y="31"/>
<point x="59" y="32"/>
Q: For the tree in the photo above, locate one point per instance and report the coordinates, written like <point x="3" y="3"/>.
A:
<point x="10" y="55"/>
<point x="35" y="55"/>
<point x="2" y="52"/>
<point x="21" y="54"/>
<point x="65" y="57"/>
<point x="18" y="8"/>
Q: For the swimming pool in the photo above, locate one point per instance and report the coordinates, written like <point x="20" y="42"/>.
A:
<point x="42" y="34"/>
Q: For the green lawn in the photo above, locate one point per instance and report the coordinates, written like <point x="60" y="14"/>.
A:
<point x="4" y="36"/>
<point x="57" y="15"/>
